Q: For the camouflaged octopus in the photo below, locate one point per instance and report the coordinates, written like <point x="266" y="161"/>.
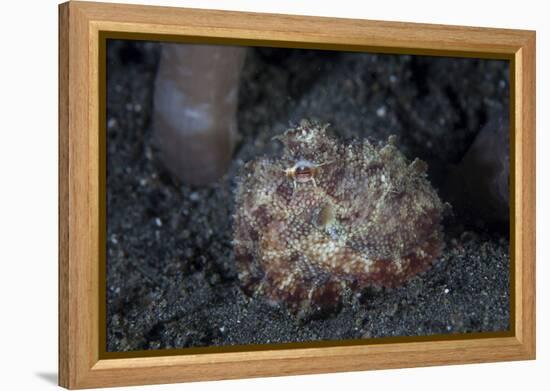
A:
<point x="328" y="217"/>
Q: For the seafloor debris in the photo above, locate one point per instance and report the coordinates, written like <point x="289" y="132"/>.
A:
<point x="327" y="218"/>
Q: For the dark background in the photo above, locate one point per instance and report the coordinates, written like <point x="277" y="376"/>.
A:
<point x="171" y="282"/>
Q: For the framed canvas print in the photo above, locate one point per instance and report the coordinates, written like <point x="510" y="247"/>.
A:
<point x="247" y="195"/>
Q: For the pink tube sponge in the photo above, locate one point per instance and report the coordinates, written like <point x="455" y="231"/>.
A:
<point x="195" y="103"/>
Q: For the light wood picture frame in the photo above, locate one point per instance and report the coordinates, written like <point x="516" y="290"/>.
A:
<point x="83" y="29"/>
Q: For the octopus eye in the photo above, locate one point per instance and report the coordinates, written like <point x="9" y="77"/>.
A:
<point x="324" y="216"/>
<point x="303" y="172"/>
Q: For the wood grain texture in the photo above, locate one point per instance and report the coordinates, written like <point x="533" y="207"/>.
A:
<point x="64" y="354"/>
<point x="525" y="122"/>
<point x="80" y="25"/>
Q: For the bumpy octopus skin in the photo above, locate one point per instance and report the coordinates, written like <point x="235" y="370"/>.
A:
<point x="328" y="217"/>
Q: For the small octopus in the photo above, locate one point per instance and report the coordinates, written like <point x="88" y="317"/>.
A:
<point x="328" y="218"/>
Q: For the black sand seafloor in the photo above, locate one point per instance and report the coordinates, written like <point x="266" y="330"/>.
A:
<point x="171" y="278"/>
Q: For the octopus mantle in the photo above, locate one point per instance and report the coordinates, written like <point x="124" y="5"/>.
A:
<point x="328" y="217"/>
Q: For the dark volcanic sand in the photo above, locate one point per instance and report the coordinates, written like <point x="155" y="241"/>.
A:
<point x="171" y="281"/>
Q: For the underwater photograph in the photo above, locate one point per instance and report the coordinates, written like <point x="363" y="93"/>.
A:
<point x="260" y="196"/>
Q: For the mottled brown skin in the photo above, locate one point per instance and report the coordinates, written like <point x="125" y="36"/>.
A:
<point x="358" y="216"/>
